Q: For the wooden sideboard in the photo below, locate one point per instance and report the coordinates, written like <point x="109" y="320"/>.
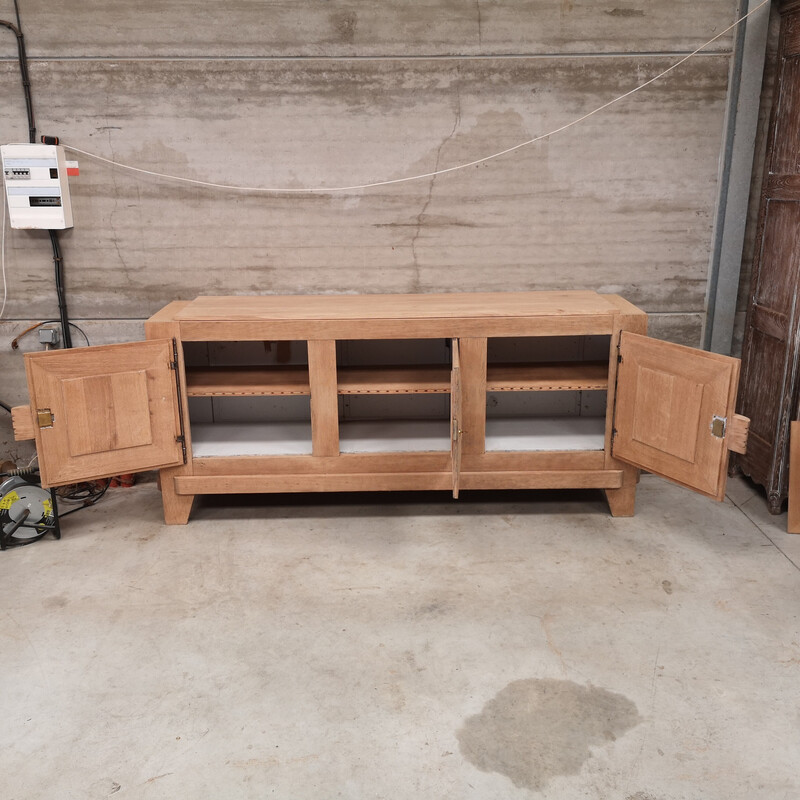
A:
<point x="449" y="392"/>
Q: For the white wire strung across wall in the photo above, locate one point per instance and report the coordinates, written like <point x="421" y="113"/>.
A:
<point x="425" y="175"/>
<point x="377" y="183"/>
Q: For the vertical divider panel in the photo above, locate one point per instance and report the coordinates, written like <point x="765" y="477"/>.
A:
<point x="324" y="397"/>
<point x="456" y="433"/>
<point x="621" y="501"/>
<point x="473" y="394"/>
<point x="177" y="508"/>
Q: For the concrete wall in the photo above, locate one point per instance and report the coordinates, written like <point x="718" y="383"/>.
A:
<point x="307" y="94"/>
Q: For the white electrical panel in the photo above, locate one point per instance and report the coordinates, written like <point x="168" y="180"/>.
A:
<point x="37" y="190"/>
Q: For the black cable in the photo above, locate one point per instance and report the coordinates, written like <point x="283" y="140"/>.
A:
<point x="58" y="261"/>
<point x="79" y="492"/>
<point x="26" y="88"/>
<point x="72" y="325"/>
<point x="89" y="501"/>
<point x="16" y="340"/>
<point x="26" y="81"/>
<point x="85" y="493"/>
<point x="3" y="405"/>
<point x="23" y="70"/>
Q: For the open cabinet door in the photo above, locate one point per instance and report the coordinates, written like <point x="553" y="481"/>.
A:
<point x="101" y="411"/>
<point x="455" y="417"/>
<point x="674" y="412"/>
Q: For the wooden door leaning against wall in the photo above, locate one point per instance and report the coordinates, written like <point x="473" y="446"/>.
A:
<point x="770" y="353"/>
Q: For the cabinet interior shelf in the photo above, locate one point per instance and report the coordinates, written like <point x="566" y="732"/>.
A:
<point x="419" y="379"/>
<point x="426" y="379"/>
<point x="247" y="381"/>
<point x="547" y="377"/>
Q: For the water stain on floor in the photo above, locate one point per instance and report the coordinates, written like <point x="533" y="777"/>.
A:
<point x="536" y="729"/>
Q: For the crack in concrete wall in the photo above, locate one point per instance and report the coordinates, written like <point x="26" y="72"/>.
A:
<point x="416" y="284"/>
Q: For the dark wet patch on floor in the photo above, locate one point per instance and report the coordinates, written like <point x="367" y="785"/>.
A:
<point x="534" y="730"/>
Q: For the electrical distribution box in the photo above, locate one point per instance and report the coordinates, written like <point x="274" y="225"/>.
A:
<point x="37" y="190"/>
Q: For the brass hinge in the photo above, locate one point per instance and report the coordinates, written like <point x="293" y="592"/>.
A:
<point x="719" y="426"/>
<point x="44" y="417"/>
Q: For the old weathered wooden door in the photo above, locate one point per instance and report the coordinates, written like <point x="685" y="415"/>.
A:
<point x="769" y="390"/>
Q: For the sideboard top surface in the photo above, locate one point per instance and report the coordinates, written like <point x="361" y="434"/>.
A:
<point x="401" y="306"/>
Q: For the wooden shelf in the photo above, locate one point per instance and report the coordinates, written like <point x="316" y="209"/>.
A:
<point x="547" y="377"/>
<point x="420" y="379"/>
<point x="435" y="379"/>
<point x="247" y="381"/>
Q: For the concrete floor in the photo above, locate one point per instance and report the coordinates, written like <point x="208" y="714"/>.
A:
<point x="509" y="646"/>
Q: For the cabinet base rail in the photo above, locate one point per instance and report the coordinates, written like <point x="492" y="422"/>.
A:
<point x="397" y="481"/>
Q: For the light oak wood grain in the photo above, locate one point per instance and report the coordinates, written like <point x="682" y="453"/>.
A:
<point x="548" y="479"/>
<point x="421" y="379"/>
<point x="661" y="398"/>
<point x="177" y="508"/>
<point x="667" y="398"/>
<point x="547" y="377"/>
<point x="477" y="314"/>
<point x="738" y="432"/>
<point x="473" y="394"/>
<point x="246" y="382"/>
<point x="622" y="501"/>
<point x="24" y="426"/>
<point x="324" y="403"/>
<point x="408" y="308"/>
<point x="456" y="433"/>
<point x="793" y="521"/>
<point x="351" y="482"/>
<point x="114" y="410"/>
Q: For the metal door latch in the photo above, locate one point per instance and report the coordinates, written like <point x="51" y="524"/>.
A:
<point x="718" y="426"/>
<point x="44" y="417"/>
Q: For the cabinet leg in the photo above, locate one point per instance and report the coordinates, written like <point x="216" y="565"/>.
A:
<point x="621" y="501"/>
<point x="177" y="507"/>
